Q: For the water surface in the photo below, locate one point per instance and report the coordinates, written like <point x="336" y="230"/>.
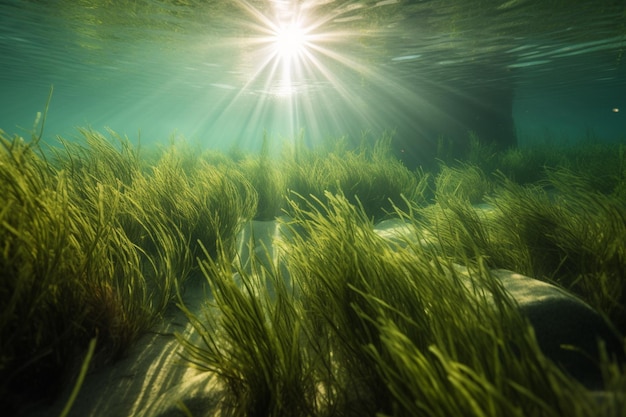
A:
<point x="212" y="71"/>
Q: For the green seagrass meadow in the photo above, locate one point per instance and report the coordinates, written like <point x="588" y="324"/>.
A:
<point x="99" y="237"/>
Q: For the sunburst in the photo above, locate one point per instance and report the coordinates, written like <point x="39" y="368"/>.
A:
<point x="305" y="66"/>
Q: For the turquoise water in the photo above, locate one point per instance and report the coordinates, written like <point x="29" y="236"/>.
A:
<point x="218" y="72"/>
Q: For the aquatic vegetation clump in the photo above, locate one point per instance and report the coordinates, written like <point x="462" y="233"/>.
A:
<point x="603" y="164"/>
<point x="463" y="181"/>
<point x="266" y="177"/>
<point x="202" y="202"/>
<point x="560" y="230"/>
<point x="68" y="273"/>
<point x="100" y="236"/>
<point x="354" y="325"/>
<point x="592" y="236"/>
<point x="109" y="161"/>
<point x="97" y="244"/>
<point x="252" y="341"/>
<point x="567" y="233"/>
<point x="369" y="176"/>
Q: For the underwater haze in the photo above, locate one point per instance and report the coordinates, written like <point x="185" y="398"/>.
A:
<point x="224" y="72"/>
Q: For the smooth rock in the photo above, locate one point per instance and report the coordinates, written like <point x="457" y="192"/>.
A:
<point x="568" y="329"/>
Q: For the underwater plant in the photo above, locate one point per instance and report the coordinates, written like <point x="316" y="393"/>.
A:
<point x="560" y="230"/>
<point x="370" y="175"/>
<point x="100" y="237"/>
<point x="68" y="274"/>
<point x="462" y="181"/>
<point x="265" y="175"/>
<point x="345" y="323"/>
<point x="97" y="244"/>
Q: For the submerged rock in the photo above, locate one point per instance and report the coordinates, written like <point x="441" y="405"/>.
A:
<point x="568" y="330"/>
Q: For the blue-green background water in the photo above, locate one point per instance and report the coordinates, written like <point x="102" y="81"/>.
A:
<point x="205" y="70"/>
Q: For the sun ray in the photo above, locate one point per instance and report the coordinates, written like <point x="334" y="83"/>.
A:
<point x="303" y="66"/>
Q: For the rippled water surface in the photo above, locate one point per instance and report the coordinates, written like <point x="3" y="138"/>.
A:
<point x="224" y="72"/>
